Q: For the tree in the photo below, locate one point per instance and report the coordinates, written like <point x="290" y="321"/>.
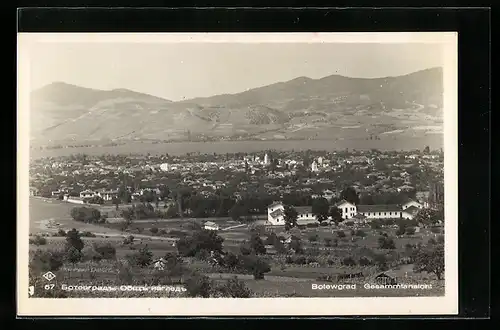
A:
<point x="427" y="150"/>
<point x="201" y="240"/>
<point x="429" y="217"/>
<point x="142" y="258"/>
<point x="199" y="286"/>
<point x="296" y="245"/>
<point x="430" y="260"/>
<point x="255" y="265"/>
<point x="320" y="209"/>
<point x="235" y="212"/>
<point x="106" y="250"/>
<point x="74" y="240"/>
<point x="73" y="255"/>
<point x="336" y="215"/>
<point x="43" y="261"/>
<point x="256" y="244"/>
<point x="386" y="243"/>
<point x="350" y="195"/>
<point x="234" y="288"/>
<point x="116" y="202"/>
<point x="290" y="217"/>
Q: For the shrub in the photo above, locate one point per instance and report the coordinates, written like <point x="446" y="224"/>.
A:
<point x="162" y="232"/>
<point x="199" y="286"/>
<point x="256" y="244"/>
<point x="312" y="225"/>
<point x="202" y="255"/>
<point x="87" y="234"/>
<point x="300" y="260"/>
<point x="328" y="242"/>
<point x="200" y="240"/>
<point x="331" y="262"/>
<point x="128" y="240"/>
<point x="153" y="230"/>
<point x="440" y="239"/>
<point x="73" y="255"/>
<point x="386" y="243"/>
<point x="436" y="230"/>
<point x="107" y="250"/>
<point x="324" y="223"/>
<point x="311" y="259"/>
<point x="231" y="260"/>
<point x="88" y="253"/>
<point x="245" y="249"/>
<point x="61" y="233"/>
<point x="73" y="240"/>
<point x="410" y="231"/>
<point x="44" y="261"/>
<point x="313" y="238"/>
<point x="348" y="261"/>
<point x="289" y="260"/>
<point x="38" y="240"/>
<point x="141" y="258"/>
<point x="360" y="233"/>
<point x="341" y="234"/>
<point x="234" y="288"/>
<point x="364" y="261"/>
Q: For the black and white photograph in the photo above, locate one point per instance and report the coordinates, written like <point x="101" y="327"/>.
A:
<point x="238" y="166"/>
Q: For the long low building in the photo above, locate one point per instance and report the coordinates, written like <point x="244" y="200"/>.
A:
<point x="276" y="212"/>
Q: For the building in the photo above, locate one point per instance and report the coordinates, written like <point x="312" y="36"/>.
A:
<point x="34" y="191"/>
<point x="108" y="195"/>
<point x="276" y="214"/>
<point x="304" y="215"/>
<point x="347" y="209"/>
<point x="411" y="203"/>
<point x="74" y="200"/>
<point x="314" y="166"/>
<point x="159" y="264"/>
<point x="267" y="160"/>
<point x="209" y="225"/>
<point x="164" y="167"/>
<point x="87" y="194"/>
<point x="390" y="211"/>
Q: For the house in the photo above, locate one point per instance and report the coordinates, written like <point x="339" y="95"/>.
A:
<point x="108" y="195"/>
<point x="159" y="264"/>
<point x="411" y="203"/>
<point x="304" y="215"/>
<point x="56" y="193"/>
<point x="87" y="194"/>
<point x="209" y="225"/>
<point x="390" y="211"/>
<point x="34" y="191"/>
<point x="348" y="209"/>
<point x="270" y="249"/>
<point x="74" y="200"/>
<point x="276" y="214"/>
<point x="410" y="212"/>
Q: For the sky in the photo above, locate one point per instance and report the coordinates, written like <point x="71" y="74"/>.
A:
<point x="188" y="70"/>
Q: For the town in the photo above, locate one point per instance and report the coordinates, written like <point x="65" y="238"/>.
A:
<point x="334" y="210"/>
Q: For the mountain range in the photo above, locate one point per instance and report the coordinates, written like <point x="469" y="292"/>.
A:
<point x="333" y="107"/>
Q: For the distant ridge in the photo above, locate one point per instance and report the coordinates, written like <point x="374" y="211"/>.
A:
<point x="301" y="108"/>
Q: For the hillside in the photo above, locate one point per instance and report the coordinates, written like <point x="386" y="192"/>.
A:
<point x="332" y="107"/>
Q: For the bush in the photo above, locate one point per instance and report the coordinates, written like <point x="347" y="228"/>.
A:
<point x="436" y="230"/>
<point x="199" y="286"/>
<point x="153" y="230"/>
<point x="162" y="232"/>
<point x="86" y="214"/>
<point x="440" y="239"/>
<point x="348" y="261"/>
<point x="38" y="240"/>
<point x="311" y="259"/>
<point x="312" y="225"/>
<point x="87" y="234"/>
<point x="50" y="260"/>
<point x="360" y="233"/>
<point x="328" y="242"/>
<point x="231" y="260"/>
<point x="234" y="288"/>
<point x="330" y="262"/>
<point x="200" y="240"/>
<point x="106" y="250"/>
<point x="386" y="243"/>
<point x="73" y="240"/>
<point x="364" y="261"/>
<point x="88" y="253"/>
<point x="313" y="238"/>
<point x="245" y="249"/>
<point x="410" y="231"/>
<point x="324" y="224"/>
<point x="300" y="260"/>
<point x="142" y="258"/>
<point x="73" y="255"/>
<point x="128" y="240"/>
<point x="61" y="233"/>
<point x="341" y="234"/>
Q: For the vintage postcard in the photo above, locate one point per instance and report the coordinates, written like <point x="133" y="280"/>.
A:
<point x="237" y="174"/>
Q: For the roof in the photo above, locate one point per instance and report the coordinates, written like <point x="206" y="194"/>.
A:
<point x="275" y="204"/>
<point x="210" y="223"/>
<point x="379" y="208"/>
<point x="303" y="209"/>
<point x="342" y="202"/>
<point x="412" y="210"/>
<point x="410" y="201"/>
<point x="276" y="213"/>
